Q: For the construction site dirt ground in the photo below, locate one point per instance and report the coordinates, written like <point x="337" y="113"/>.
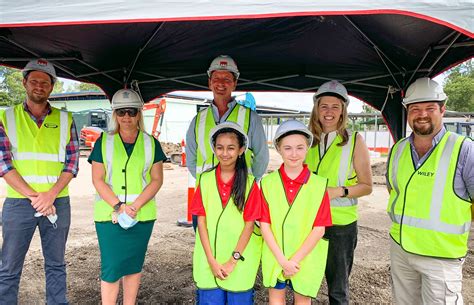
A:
<point x="167" y="273"/>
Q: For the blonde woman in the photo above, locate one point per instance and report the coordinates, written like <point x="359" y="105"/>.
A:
<point x="343" y="158"/>
<point x="127" y="172"/>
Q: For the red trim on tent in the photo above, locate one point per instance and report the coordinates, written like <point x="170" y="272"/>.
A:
<point x="250" y="16"/>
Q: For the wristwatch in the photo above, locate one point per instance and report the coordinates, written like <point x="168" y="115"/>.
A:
<point x="345" y="191"/>
<point x="237" y="256"/>
<point x="118" y="205"/>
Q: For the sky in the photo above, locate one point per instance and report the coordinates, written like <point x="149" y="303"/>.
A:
<point x="290" y="100"/>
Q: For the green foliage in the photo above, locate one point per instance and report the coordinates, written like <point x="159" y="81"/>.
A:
<point x="79" y="87"/>
<point x="4" y="99"/>
<point x="366" y="108"/>
<point x="459" y="87"/>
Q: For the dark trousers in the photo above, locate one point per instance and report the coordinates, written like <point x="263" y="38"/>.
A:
<point x="19" y="225"/>
<point x="195" y="223"/>
<point x="342" y="243"/>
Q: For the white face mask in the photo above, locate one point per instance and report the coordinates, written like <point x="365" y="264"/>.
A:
<point x="52" y="218"/>
<point x="125" y="221"/>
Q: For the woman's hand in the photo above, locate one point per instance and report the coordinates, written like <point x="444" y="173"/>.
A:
<point x="334" y="192"/>
<point x="131" y="210"/>
<point x="290" y="268"/>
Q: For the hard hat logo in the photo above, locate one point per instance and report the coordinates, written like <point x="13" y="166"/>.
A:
<point x="126" y="94"/>
<point x="223" y="64"/>
<point x="333" y="85"/>
<point x="42" y="62"/>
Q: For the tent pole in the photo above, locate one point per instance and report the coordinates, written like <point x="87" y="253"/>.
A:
<point x="173" y="80"/>
<point x="141" y="50"/>
<point x="444" y="52"/>
<point x="373" y="44"/>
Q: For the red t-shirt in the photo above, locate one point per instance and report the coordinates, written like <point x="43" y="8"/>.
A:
<point x="292" y="187"/>
<point x="252" y="208"/>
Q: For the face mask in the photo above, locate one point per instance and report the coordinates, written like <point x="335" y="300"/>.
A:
<point x="125" y="221"/>
<point x="52" y="218"/>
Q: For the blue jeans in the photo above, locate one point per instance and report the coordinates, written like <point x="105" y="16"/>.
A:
<point x="221" y="297"/>
<point x="342" y="243"/>
<point x="19" y="225"/>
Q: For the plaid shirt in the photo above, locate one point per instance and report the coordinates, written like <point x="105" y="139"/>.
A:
<point x="71" y="164"/>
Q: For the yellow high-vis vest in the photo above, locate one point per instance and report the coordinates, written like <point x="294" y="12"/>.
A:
<point x="291" y="225"/>
<point x="428" y="218"/>
<point x="38" y="153"/>
<point x="204" y="123"/>
<point x="127" y="176"/>
<point x="337" y="165"/>
<point x="224" y="228"/>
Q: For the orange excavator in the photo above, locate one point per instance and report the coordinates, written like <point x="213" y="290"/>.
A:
<point x="90" y="134"/>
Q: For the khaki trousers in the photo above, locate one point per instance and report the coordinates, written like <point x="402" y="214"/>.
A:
<point x="419" y="279"/>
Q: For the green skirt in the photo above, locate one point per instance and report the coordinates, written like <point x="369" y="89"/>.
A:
<point x="122" y="252"/>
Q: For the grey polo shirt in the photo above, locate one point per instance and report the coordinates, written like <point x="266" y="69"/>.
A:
<point x="257" y="141"/>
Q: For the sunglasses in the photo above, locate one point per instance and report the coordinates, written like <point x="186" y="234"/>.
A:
<point x="132" y="112"/>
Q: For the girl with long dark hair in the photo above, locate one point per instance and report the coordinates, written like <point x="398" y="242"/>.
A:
<point x="228" y="244"/>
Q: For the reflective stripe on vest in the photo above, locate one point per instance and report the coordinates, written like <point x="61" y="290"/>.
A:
<point x="336" y="164"/>
<point x="38" y="153"/>
<point x="224" y="227"/>
<point x="137" y="166"/>
<point x="204" y="159"/>
<point x="428" y="218"/>
<point x="291" y="225"/>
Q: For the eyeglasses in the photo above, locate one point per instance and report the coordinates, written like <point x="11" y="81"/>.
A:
<point x="132" y="112"/>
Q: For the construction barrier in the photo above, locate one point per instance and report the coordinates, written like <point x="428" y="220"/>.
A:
<point x="183" y="153"/>
<point x="191" y="184"/>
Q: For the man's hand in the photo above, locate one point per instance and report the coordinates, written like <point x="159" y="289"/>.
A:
<point x="43" y="202"/>
<point x="50" y="211"/>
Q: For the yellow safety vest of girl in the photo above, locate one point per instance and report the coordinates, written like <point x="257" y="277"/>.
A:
<point x="127" y="176"/>
<point x="336" y="165"/>
<point x="224" y="226"/>
<point x="291" y="225"/>
<point x="428" y="218"/>
<point x="204" y="123"/>
<point x="38" y="153"/>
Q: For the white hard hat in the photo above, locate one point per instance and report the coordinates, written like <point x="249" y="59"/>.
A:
<point x="223" y="63"/>
<point x="293" y="126"/>
<point x="228" y="125"/>
<point x="126" y="98"/>
<point x="40" y="65"/>
<point x="424" y="90"/>
<point x="332" y="88"/>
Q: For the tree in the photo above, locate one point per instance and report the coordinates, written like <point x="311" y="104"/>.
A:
<point x="11" y="86"/>
<point x="79" y="87"/>
<point x="459" y="87"/>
